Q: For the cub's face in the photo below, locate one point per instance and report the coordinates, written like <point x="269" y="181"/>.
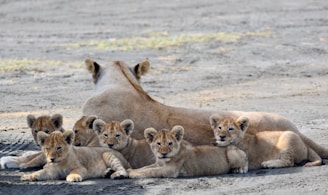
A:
<point x="165" y="144"/>
<point x="47" y="124"/>
<point x="83" y="130"/>
<point x="228" y="130"/>
<point x="56" y="145"/>
<point x="114" y="134"/>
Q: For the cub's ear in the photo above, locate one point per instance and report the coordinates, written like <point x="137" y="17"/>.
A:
<point x="178" y="132"/>
<point x="142" y="68"/>
<point x="30" y="120"/>
<point x="98" y="124"/>
<point x="57" y="120"/>
<point x="69" y="136"/>
<point x="41" y="137"/>
<point x="149" y="134"/>
<point x="215" y="120"/>
<point x="94" y="68"/>
<point x="128" y="126"/>
<point x="243" y="123"/>
<point x="90" y="120"/>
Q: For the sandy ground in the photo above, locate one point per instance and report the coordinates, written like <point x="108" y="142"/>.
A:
<point x="270" y="56"/>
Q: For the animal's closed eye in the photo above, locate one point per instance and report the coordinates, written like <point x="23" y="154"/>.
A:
<point x="159" y="143"/>
<point x="105" y="135"/>
<point x="117" y="135"/>
<point x="230" y="129"/>
<point x="46" y="131"/>
<point x="170" y="143"/>
<point x="58" y="148"/>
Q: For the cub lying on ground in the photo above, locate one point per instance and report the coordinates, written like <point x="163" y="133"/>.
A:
<point x="267" y="149"/>
<point x="34" y="159"/>
<point x="176" y="157"/>
<point x="75" y="163"/>
<point x="117" y="135"/>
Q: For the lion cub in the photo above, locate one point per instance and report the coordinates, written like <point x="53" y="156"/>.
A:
<point x="117" y="135"/>
<point x="176" y="157"/>
<point x="34" y="159"/>
<point x="75" y="163"/>
<point x="267" y="149"/>
<point x="84" y="133"/>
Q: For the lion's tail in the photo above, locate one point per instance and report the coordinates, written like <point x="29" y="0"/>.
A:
<point x="320" y="150"/>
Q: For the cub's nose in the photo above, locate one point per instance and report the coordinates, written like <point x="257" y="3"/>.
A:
<point x="52" y="159"/>
<point x="110" y="145"/>
<point x="222" y="137"/>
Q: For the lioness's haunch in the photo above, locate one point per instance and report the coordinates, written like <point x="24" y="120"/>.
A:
<point x="33" y="159"/>
<point x="267" y="149"/>
<point x="119" y="96"/>
<point x="176" y="157"/>
<point x="75" y="163"/>
<point x="117" y="135"/>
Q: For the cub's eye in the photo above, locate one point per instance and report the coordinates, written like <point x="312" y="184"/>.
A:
<point x="58" y="148"/>
<point x="117" y="135"/>
<point x="105" y="135"/>
<point x="230" y="129"/>
<point x="159" y="143"/>
<point x="170" y="143"/>
<point x="35" y="131"/>
<point x="46" y="131"/>
<point x="75" y="131"/>
<point x="220" y="127"/>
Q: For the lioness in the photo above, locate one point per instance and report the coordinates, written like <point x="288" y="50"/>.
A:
<point x="117" y="135"/>
<point x="119" y="96"/>
<point x="176" y="157"/>
<point x="34" y="159"/>
<point x="75" y="163"/>
<point x="267" y="149"/>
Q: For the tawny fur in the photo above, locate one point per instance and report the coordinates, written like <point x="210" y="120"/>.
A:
<point x="75" y="163"/>
<point x="119" y="96"/>
<point x="176" y="157"/>
<point x="267" y="149"/>
<point x="44" y="123"/>
<point x="117" y="135"/>
<point x="84" y="133"/>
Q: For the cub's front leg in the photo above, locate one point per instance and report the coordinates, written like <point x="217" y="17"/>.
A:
<point x="237" y="159"/>
<point x="115" y="167"/>
<point x="44" y="174"/>
<point x="154" y="171"/>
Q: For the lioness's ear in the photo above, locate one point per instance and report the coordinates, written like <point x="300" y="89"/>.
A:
<point x="215" y="120"/>
<point x="57" y="120"/>
<point x="41" y="137"/>
<point x="128" y="126"/>
<point x="178" y="132"/>
<point x="98" y="124"/>
<point x="93" y="68"/>
<point x="30" y="120"/>
<point x="243" y="123"/>
<point x="150" y="134"/>
<point x="69" y="136"/>
<point x="90" y="120"/>
<point x="142" y="68"/>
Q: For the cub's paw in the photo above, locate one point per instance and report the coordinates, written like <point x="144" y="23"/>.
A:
<point x="119" y="175"/>
<point x="135" y="174"/>
<point x="108" y="173"/>
<point x="8" y="162"/>
<point x="73" y="177"/>
<point x="29" y="177"/>
<point x="269" y="164"/>
<point x="240" y="170"/>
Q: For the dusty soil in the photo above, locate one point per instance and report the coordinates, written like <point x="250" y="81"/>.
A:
<point x="276" y="63"/>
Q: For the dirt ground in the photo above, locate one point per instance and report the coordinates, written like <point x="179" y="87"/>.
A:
<point x="228" y="55"/>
